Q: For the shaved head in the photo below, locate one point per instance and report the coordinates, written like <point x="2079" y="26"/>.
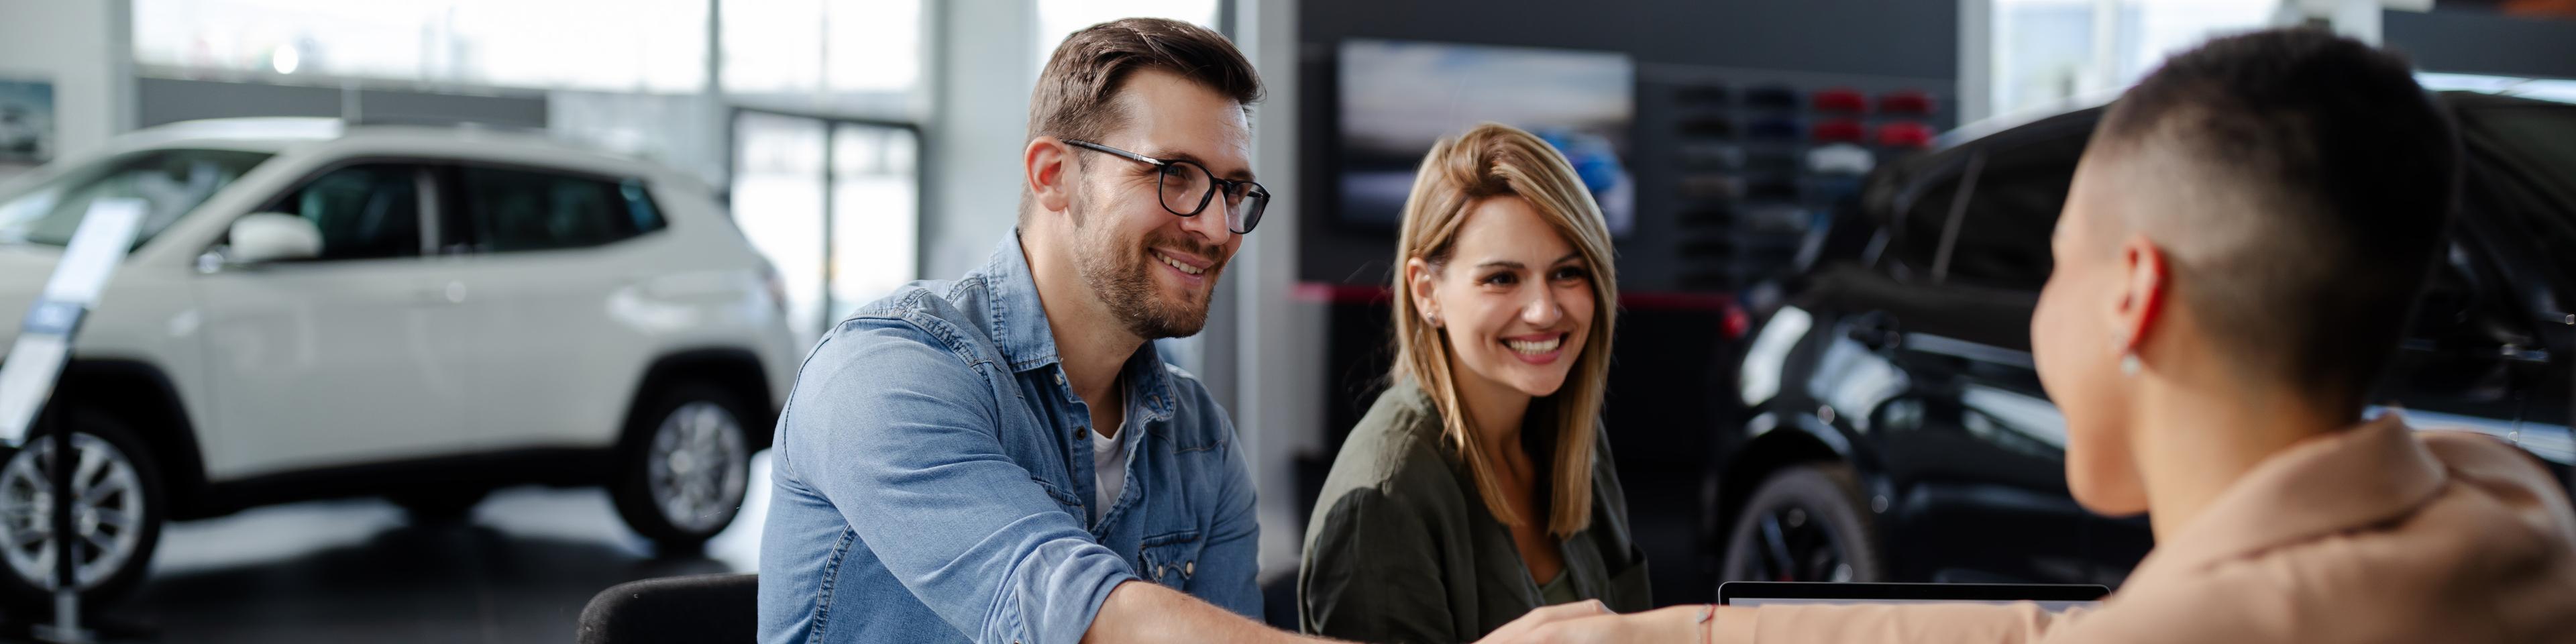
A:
<point x="2301" y="185"/>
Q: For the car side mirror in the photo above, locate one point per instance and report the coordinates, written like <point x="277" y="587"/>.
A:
<point x="273" y="237"/>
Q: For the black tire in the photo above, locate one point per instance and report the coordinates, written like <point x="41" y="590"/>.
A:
<point x="23" y="592"/>
<point x="440" y="507"/>
<point x="1806" y="523"/>
<point x="634" y="484"/>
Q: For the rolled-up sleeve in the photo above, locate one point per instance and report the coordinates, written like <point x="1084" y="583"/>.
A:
<point x="898" y="432"/>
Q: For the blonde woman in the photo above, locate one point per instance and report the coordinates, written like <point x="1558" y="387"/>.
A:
<point x="1479" y="486"/>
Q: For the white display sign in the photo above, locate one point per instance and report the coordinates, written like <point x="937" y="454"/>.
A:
<point x="45" y="337"/>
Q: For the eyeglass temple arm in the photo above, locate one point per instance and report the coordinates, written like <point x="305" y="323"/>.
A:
<point x="1122" y="153"/>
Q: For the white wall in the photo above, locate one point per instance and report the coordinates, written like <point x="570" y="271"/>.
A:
<point x="81" y="46"/>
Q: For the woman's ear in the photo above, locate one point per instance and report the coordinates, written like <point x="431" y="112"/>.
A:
<point x="2143" y="289"/>
<point x="1418" y="275"/>
<point x="1046" y="162"/>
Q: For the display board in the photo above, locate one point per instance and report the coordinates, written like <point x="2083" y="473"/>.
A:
<point x="44" y="341"/>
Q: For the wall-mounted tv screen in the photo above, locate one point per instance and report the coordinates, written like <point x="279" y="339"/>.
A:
<point x="1397" y="98"/>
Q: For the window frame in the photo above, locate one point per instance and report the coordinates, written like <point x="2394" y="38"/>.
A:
<point x="924" y="181"/>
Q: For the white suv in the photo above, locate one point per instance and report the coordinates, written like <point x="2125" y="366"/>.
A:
<point x="319" y="311"/>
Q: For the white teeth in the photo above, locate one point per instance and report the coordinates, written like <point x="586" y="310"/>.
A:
<point x="1185" y="268"/>
<point x="1534" y="348"/>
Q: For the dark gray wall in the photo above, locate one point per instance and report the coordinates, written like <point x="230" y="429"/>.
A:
<point x="166" y="100"/>
<point x="1869" y="44"/>
<point x="2475" y="42"/>
<point x="1907" y="38"/>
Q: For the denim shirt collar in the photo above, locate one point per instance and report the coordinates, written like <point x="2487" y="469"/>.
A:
<point x="1018" y="326"/>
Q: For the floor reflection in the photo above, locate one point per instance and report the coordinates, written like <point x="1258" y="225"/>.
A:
<point x="530" y="558"/>
<point x="519" y="571"/>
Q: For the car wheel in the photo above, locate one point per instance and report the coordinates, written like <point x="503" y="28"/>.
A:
<point x="683" y="467"/>
<point x="1805" y="523"/>
<point x="440" y="507"/>
<point x="117" y="512"/>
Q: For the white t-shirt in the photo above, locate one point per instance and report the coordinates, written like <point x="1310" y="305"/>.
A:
<point x="1109" y="465"/>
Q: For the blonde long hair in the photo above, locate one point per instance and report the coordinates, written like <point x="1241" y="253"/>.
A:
<point x="1495" y="160"/>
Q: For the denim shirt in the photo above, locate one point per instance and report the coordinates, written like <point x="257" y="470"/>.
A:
<point x="933" y="480"/>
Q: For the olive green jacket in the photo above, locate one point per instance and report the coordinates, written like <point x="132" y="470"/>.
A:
<point x="1402" y="549"/>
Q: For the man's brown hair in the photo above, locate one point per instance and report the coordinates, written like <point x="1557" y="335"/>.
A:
<point x="1076" y="93"/>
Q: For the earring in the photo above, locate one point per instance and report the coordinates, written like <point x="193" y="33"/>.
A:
<point x="2129" y="365"/>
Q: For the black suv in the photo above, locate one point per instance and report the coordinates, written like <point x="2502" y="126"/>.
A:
<point x="1895" y="430"/>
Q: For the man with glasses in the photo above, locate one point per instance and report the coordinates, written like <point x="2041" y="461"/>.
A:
<point x="1003" y="458"/>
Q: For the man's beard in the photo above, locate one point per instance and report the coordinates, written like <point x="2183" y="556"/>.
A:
<point x="1122" y="275"/>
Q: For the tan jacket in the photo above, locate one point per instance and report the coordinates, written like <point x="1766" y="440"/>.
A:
<point x="2379" y="534"/>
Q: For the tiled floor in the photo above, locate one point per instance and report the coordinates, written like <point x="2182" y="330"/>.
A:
<point x="521" y="570"/>
<point x="358" y="571"/>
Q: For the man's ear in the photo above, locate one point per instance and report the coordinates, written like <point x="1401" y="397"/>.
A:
<point x="1048" y="163"/>
<point x="1418" y="275"/>
<point x="2144" y="289"/>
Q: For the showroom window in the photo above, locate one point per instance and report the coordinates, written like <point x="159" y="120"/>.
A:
<point x="829" y="96"/>
<point x="846" y="57"/>
<point x="609" y="45"/>
<point x="1060" y="18"/>
<point x="2044" y="53"/>
<point x="835" y="203"/>
<point x="369" y="211"/>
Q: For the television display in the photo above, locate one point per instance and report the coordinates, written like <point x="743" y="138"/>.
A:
<point x="1397" y="98"/>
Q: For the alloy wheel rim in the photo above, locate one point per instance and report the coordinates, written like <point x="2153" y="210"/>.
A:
<point x="1791" y="544"/>
<point x="107" y="511"/>
<point x="696" y="466"/>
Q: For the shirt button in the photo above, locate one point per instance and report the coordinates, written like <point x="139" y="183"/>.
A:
<point x="1081" y="433"/>
<point x="1158" y="572"/>
<point x="1059" y="377"/>
<point x="1189" y="568"/>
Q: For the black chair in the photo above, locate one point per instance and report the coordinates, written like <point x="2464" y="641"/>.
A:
<point x="694" y="609"/>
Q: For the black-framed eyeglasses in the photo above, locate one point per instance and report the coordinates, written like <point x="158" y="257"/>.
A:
<point x="1186" y="188"/>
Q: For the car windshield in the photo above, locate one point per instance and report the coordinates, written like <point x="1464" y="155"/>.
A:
<point x="173" y="182"/>
<point x="2546" y="136"/>
<point x="2537" y="146"/>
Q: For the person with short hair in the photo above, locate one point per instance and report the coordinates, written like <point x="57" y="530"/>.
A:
<point x="1004" y="457"/>
<point x="1480" y="484"/>
<point x="2247" y="233"/>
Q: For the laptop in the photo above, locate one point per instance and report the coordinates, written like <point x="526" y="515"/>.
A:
<point x="2050" y="597"/>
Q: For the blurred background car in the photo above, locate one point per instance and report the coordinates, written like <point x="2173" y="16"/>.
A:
<point x="315" y="310"/>
<point x="1895" y="429"/>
